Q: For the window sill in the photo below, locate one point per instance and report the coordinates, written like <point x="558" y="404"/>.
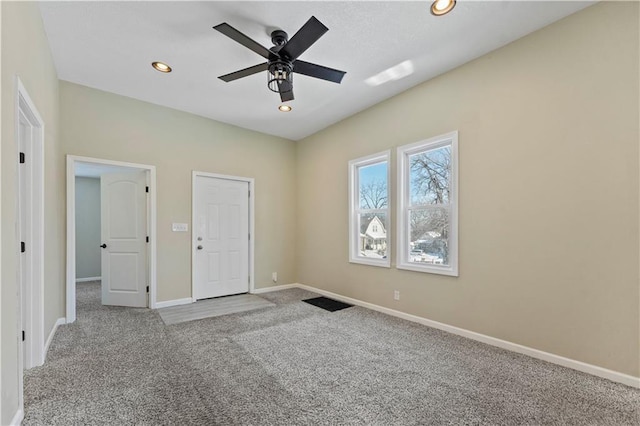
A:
<point x="444" y="270"/>
<point x="382" y="263"/>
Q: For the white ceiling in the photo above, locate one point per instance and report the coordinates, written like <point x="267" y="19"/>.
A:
<point x="110" y="46"/>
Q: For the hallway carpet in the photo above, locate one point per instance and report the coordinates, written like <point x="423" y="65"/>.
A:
<point x="296" y="364"/>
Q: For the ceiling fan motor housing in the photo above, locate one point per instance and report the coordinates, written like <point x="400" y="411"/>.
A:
<point x="279" y="38"/>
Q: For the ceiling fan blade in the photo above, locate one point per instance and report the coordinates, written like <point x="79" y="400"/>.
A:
<point x="244" y="73"/>
<point x="284" y="86"/>
<point x="286" y="96"/>
<point x="286" y="91"/>
<point x="318" y="71"/>
<point x="310" y="32"/>
<point x="244" y="40"/>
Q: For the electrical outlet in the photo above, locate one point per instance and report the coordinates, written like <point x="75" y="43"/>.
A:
<point x="274" y="277"/>
<point x="396" y="295"/>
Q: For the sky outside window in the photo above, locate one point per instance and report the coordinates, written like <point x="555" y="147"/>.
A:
<point x="373" y="186"/>
<point x="373" y="173"/>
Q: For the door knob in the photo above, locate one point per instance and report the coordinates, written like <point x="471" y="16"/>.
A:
<point x="103" y="245"/>
<point x="199" y="247"/>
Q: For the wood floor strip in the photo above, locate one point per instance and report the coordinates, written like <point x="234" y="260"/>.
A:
<point x="212" y="308"/>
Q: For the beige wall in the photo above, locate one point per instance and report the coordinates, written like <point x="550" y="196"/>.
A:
<point x="88" y="255"/>
<point x="25" y="53"/>
<point x="548" y="192"/>
<point x="102" y="125"/>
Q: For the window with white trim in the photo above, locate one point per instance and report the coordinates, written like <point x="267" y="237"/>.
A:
<point x="428" y="205"/>
<point x="369" y="210"/>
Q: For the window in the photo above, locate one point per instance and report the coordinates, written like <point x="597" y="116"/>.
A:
<point x="427" y="208"/>
<point x="369" y="210"/>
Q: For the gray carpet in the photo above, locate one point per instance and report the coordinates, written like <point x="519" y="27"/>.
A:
<point x="296" y="364"/>
<point x="213" y="308"/>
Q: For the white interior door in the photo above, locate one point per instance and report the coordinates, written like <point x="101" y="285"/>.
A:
<point x="220" y="237"/>
<point x="124" y="232"/>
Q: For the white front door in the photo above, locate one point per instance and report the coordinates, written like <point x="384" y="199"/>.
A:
<point x="220" y="237"/>
<point x="124" y="233"/>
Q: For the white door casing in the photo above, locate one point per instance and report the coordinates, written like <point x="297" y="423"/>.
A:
<point x="124" y="233"/>
<point x="24" y="264"/>
<point x="220" y="237"/>
<point x="30" y="229"/>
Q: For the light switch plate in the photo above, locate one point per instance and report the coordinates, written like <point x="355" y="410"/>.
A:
<point x="180" y="227"/>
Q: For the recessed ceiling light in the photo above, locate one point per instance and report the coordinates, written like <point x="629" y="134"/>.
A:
<point x="161" y="66"/>
<point x="284" y="108"/>
<point x="441" y="7"/>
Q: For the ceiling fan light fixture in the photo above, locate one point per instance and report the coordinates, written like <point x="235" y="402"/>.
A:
<point x="161" y="66"/>
<point x="442" y="7"/>
<point x="280" y="77"/>
<point x="285" y="108"/>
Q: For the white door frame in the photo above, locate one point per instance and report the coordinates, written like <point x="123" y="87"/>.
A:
<point x="250" y="181"/>
<point x="34" y="330"/>
<point x="71" y="227"/>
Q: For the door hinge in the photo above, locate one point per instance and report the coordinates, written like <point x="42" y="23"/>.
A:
<point x="147" y="238"/>
<point x="249" y="193"/>
<point x="147" y="289"/>
<point x="146" y="189"/>
<point x="23" y="247"/>
<point x="249" y="236"/>
<point x="23" y="335"/>
<point x="22" y="158"/>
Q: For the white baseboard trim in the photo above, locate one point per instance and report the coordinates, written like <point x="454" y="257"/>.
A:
<point x="274" y="288"/>
<point x="59" y="322"/>
<point x="84" y="280"/>
<point x="174" y="302"/>
<point x="17" y="419"/>
<point x="614" y="376"/>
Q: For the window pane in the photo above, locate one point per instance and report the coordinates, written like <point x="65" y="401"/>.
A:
<point x="373" y="186"/>
<point x="429" y="236"/>
<point x="430" y="176"/>
<point x="372" y="239"/>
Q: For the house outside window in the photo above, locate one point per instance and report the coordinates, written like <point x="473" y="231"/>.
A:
<point x="369" y="210"/>
<point x="427" y="205"/>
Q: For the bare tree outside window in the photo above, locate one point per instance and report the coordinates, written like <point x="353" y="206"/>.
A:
<point x="428" y="205"/>
<point x="372" y="211"/>
<point x="373" y="195"/>
<point x="429" y="213"/>
<point x="431" y="176"/>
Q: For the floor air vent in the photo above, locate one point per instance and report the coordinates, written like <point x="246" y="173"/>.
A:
<point x="327" y="304"/>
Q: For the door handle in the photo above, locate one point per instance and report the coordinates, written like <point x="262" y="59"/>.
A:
<point x="199" y="247"/>
<point x="103" y="245"/>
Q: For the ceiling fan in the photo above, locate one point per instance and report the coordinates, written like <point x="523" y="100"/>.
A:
<point x="282" y="58"/>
